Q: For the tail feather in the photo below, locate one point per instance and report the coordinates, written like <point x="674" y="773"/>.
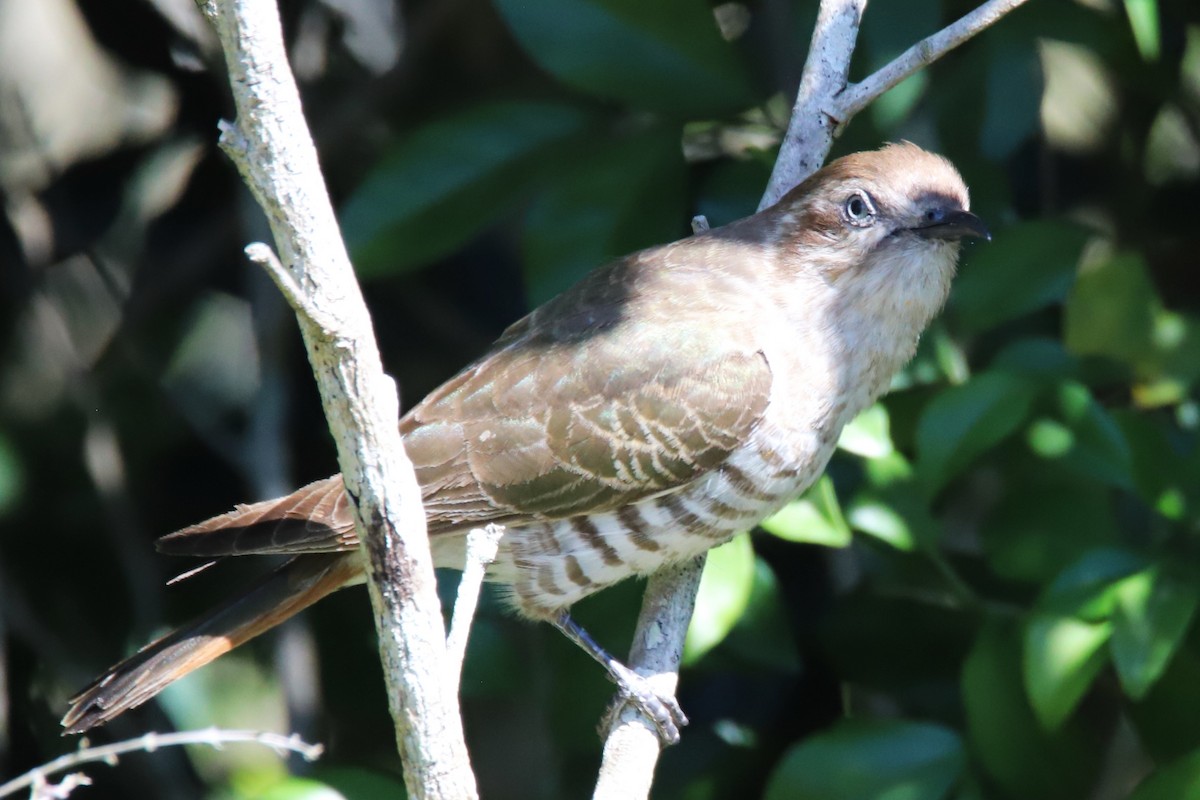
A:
<point x="316" y="518"/>
<point x="293" y="587"/>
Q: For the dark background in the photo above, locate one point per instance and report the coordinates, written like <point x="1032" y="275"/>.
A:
<point x="1013" y="616"/>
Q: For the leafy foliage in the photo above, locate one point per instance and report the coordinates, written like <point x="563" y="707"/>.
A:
<point x="992" y="592"/>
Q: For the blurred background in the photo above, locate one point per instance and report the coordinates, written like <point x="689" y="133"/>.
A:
<point x="992" y="593"/>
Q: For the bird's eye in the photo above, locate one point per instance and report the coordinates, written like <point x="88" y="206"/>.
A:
<point x="859" y="209"/>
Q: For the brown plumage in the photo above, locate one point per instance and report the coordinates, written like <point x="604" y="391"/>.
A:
<point x="665" y="402"/>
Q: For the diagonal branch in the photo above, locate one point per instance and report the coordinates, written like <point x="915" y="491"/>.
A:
<point x="272" y="148"/>
<point x="858" y="96"/>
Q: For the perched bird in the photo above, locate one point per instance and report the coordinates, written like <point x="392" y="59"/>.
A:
<point x="664" y="403"/>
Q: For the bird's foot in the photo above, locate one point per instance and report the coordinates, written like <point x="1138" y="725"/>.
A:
<point x="662" y="710"/>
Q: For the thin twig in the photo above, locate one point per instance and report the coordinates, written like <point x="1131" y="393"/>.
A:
<point x="482" y="544"/>
<point x="261" y="254"/>
<point x="213" y="737"/>
<point x="858" y="96"/>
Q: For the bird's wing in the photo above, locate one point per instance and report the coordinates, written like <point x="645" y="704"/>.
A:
<point x="553" y="432"/>
<point x="584" y="406"/>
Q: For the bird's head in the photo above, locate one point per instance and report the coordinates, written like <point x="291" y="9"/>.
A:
<point x="873" y="240"/>
<point x="880" y="202"/>
<point x="883" y="225"/>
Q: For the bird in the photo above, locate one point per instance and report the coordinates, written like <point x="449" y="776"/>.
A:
<point x="666" y="402"/>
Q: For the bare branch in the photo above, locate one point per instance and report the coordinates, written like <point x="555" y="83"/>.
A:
<point x="109" y="753"/>
<point x="632" y="744"/>
<point x="858" y="96"/>
<point x="810" y="131"/>
<point x="272" y="148"/>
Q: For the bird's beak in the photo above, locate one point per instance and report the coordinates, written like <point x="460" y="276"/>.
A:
<point x="946" y="224"/>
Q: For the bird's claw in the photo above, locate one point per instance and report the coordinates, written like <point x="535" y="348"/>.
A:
<point x="661" y="710"/>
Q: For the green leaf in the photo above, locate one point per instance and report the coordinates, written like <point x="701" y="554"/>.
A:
<point x="293" y="788"/>
<point x="1084" y="439"/>
<point x="1143" y="21"/>
<point x="874" y="517"/>
<point x="725" y="590"/>
<point x="1039" y="357"/>
<point x="449" y="179"/>
<point x="618" y="196"/>
<point x="814" y="518"/>
<point x="663" y="56"/>
<point x="1088" y="588"/>
<point x="1179" y="780"/>
<point x="867" y="435"/>
<point x="764" y="636"/>
<point x="964" y="421"/>
<point x="730" y="189"/>
<point x="1153" y="613"/>
<point x="1165" y="479"/>
<point x="12" y="478"/>
<point x="1114" y="311"/>
<point x="887" y="32"/>
<point x="358" y="783"/>
<point x="1014" y="91"/>
<point x="1063" y="655"/>
<point x="871" y="760"/>
<point x="1028" y="266"/>
<point x="1015" y="751"/>
<point x="1044" y="525"/>
<point x="1166" y="722"/>
<point x="1110" y="310"/>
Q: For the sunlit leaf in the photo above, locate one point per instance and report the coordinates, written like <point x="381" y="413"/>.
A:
<point x="1153" y="613"/>
<point x="764" y="634"/>
<point x="870" y="760"/>
<point x="1014" y="749"/>
<point x="883" y="522"/>
<point x="1063" y="655"/>
<point x="815" y="518"/>
<point x="725" y="590"/>
<point x="1143" y="21"/>
<point x="1088" y="588"/>
<point x="867" y="434"/>
<point x="293" y="788"/>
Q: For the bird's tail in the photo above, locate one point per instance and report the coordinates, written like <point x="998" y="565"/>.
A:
<point x="294" y="586"/>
